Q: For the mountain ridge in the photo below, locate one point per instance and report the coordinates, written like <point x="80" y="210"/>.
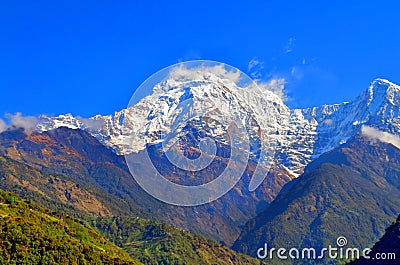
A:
<point x="351" y="191"/>
<point x="74" y="178"/>
<point x="304" y="134"/>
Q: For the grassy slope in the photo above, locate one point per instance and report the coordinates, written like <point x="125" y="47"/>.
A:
<point x="157" y="243"/>
<point x="59" y="192"/>
<point x="30" y="234"/>
<point x="49" y="190"/>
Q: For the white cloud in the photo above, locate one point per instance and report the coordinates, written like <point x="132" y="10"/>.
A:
<point x="17" y="120"/>
<point x="277" y="86"/>
<point x="181" y="72"/>
<point x="255" y="68"/>
<point x="253" y="63"/>
<point x="3" y="126"/>
<point x="297" y="72"/>
<point x="290" y="45"/>
<point x="91" y="123"/>
<point x="385" y="137"/>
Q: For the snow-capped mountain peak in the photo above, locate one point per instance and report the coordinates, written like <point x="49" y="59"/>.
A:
<point x="301" y="134"/>
<point x="382" y="90"/>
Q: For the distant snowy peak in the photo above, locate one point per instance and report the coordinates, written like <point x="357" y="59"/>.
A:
<point x="382" y="90"/>
<point x="313" y="131"/>
<point x="377" y="106"/>
<point x="301" y="134"/>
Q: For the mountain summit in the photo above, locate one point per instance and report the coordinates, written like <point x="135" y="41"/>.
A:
<point x="300" y="134"/>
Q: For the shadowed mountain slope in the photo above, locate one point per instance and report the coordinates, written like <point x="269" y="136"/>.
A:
<point x="352" y="191"/>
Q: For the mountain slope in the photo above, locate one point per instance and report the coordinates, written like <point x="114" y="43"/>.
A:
<point x="97" y="181"/>
<point x="301" y="136"/>
<point x="349" y="192"/>
<point x="31" y="234"/>
<point x="49" y="191"/>
<point x="57" y="191"/>
<point x="389" y="243"/>
<point x="156" y="243"/>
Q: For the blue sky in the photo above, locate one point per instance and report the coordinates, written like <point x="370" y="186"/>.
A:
<point x="87" y="57"/>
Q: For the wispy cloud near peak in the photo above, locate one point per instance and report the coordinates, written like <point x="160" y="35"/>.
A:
<point x="378" y="135"/>
<point x="17" y="120"/>
<point x="3" y="126"/>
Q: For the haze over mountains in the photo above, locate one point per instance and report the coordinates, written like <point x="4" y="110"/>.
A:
<point x="337" y="164"/>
